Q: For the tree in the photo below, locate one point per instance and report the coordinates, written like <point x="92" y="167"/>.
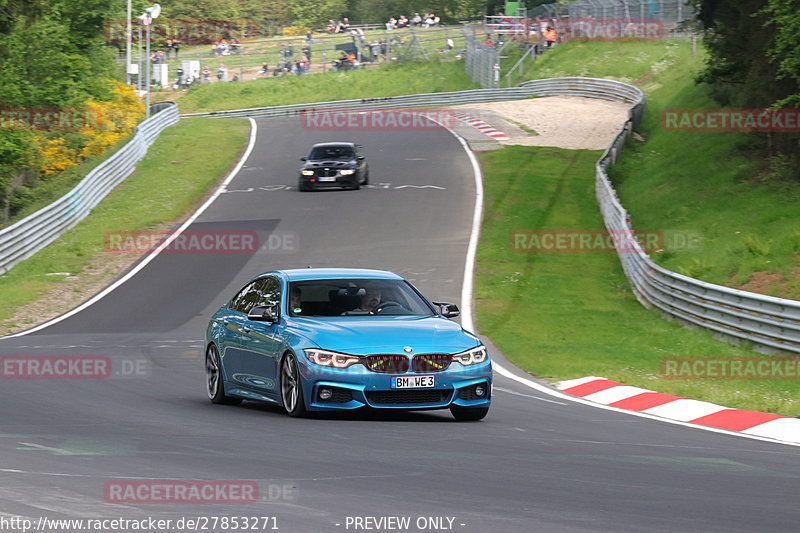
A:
<point x="754" y="62"/>
<point x="315" y="14"/>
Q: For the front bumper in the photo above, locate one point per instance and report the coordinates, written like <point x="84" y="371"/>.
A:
<point x="338" y="181"/>
<point x="357" y="387"/>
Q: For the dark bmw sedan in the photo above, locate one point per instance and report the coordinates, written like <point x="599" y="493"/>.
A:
<point x="333" y="164"/>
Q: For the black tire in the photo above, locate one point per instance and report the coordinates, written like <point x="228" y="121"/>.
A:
<point x="215" y="386"/>
<point x="366" y="178"/>
<point x="303" y="188"/>
<point x="469" y="414"/>
<point x="291" y="387"/>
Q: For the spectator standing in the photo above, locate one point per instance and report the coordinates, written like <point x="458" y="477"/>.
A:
<point x="550" y="36"/>
<point x="176" y="46"/>
<point x="206" y="74"/>
<point x="222" y="73"/>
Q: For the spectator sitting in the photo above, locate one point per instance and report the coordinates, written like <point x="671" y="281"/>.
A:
<point x="344" y="25"/>
<point x="332" y="27"/>
<point x="402" y="22"/>
<point x="416" y="20"/>
<point x="235" y="45"/>
<point x="391" y="24"/>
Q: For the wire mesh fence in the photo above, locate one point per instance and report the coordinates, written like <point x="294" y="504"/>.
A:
<point x="672" y="12"/>
<point x="259" y="58"/>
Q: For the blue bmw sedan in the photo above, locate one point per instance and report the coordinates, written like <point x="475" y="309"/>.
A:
<point x="321" y="339"/>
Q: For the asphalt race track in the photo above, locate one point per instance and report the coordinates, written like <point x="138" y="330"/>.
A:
<point x="535" y="464"/>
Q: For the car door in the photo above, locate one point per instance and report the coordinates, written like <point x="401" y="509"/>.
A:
<point x="260" y="346"/>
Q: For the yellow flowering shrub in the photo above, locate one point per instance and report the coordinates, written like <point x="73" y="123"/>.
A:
<point x="54" y="155"/>
<point x="113" y="119"/>
<point x="294" y="31"/>
<point x="104" y="124"/>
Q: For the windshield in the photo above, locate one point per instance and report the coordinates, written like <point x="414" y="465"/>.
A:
<point x="355" y="297"/>
<point x="332" y="153"/>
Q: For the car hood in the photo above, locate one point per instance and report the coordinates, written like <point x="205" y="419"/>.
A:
<point x="329" y="164"/>
<point x="361" y="335"/>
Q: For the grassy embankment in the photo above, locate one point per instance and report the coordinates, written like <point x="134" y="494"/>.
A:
<point x="567" y="315"/>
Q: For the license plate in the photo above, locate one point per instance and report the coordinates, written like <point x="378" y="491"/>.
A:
<point x="327" y="178"/>
<point x="412" y="382"/>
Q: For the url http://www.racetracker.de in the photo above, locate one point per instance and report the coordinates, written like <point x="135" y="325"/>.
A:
<point x="161" y="525"/>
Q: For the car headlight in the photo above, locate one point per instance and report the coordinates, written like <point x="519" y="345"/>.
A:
<point x="331" y="359"/>
<point x="346" y="172"/>
<point x="472" y="357"/>
<point x="307" y="172"/>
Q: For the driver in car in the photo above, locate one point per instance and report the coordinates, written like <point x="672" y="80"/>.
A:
<point x="370" y="299"/>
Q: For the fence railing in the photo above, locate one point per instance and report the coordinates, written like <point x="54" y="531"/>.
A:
<point x="26" y="237"/>
<point x="771" y="324"/>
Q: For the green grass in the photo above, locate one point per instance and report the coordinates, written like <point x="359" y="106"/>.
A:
<point x="636" y="62"/>
<point x="393" y="80"/>
<point x="167" y="183"/>
<point x="704" y="185"/>
<point x="569" y="315"/>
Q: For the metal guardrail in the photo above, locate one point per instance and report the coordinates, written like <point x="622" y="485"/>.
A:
<point x="24" y="238"/>
<point x="771" y="324"/>
<point x="590" y="87"/>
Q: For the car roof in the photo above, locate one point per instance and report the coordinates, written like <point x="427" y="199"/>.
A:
<point x="325" y="145"/>
<point x="306" y="274"/>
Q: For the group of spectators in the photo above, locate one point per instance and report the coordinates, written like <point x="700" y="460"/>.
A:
<point x="287" y="63"/>
<point x="428" y="21"/>
<point x="342" y="26"/>
<point x="225" y="48"/>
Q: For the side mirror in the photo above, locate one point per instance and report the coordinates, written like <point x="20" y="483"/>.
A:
<point x="303" y="159"/>
<point x="447" y="310"/>
<point x="263" y="313"/>
<point x="361" y="158"/>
